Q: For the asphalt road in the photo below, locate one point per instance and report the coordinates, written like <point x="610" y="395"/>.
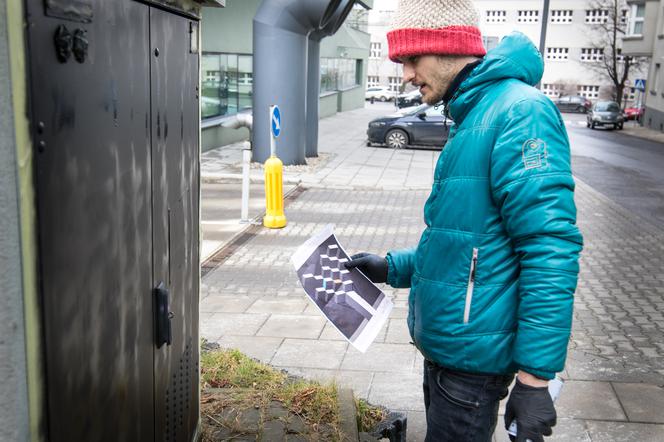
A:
<point x="626" y="169"/>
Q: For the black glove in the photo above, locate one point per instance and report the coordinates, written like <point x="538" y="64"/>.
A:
<point x="533" y="410"/>
<point x="373" y="266"/>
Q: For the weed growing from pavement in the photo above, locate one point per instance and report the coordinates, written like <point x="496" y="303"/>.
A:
<point x="368" y="416"/>
<point x="250" y="385"/>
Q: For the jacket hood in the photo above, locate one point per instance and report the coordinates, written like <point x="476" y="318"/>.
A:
<point x="515" y="57"/>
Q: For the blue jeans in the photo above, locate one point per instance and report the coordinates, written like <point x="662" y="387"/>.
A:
<point x="461" y="407"/>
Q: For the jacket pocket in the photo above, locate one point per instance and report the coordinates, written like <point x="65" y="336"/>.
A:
<point x="471" y="286"/>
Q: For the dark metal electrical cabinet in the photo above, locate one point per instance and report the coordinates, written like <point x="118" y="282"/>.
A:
<point x="115" y="125"/>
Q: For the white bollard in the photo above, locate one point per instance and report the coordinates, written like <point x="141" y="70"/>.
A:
<point x="246" y="163"/>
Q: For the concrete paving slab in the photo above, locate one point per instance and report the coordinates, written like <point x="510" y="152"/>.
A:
<point x="397" y="391"/>
<point x="397" y="332"/>
<point x="566" y="430"/>
<point x="625" y="432"/>
<point x="281" y="305"/>
<point x="226" y="304"/>
<point x="231" y="323"/>
<point x="397" y="358"/>
<point x="399" y="313"/>
<point x="417" y="425"/>
<point x="306" y="353"/>
<point x="589" y="400"/>
<point x="257" y="347"/>
<point x="330" y="333"/>
<point x="292" y="326"/>
<point x="312" y="310"/>
<point x="642" y="402"/>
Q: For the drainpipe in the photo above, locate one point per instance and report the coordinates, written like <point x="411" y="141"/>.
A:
<point x="313" y="74"/>
<point x="281" y="28"/>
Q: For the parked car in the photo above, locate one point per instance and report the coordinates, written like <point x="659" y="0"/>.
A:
<point x="605" y="113"/>
<point x="412" y="98"/>
<point x="423" y="125"/>
<point x="634" y="113"/>
<point x="573" y="103"/>
<point x="379" y="93"/>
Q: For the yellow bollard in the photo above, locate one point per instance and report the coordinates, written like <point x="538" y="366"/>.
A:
<point x="274" y="190"/>
<point x="274" y="194"/>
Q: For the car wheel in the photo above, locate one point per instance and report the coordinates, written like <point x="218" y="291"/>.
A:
<point x="383" y="99"/>
<point x="581" y="109"/>
<point x="396" y="139"/>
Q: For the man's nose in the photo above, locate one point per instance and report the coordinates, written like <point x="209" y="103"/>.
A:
<point x="408" y="73"/>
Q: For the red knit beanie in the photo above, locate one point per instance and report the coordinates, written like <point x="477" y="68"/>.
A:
<point x="443" y="27"/>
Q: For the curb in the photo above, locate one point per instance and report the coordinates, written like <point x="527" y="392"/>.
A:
<point x="347" y="415"/>
<point x="225" y="178"/>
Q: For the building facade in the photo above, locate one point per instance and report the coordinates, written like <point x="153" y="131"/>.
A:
<point x="644" y="37"/>
<point x="572" y="57"/>
<point x="227" y="77"/>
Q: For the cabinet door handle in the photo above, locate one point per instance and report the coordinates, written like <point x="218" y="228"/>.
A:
<point x="163" y="316"/>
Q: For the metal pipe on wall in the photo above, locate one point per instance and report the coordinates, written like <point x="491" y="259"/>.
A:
<point x="280" y="44"/>
<point x="313" y="74"/>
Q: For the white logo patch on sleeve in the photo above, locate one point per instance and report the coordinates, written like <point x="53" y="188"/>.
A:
<point x="534" y="154"/>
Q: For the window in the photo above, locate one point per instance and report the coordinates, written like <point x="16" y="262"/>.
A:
<point x="490" y="42"/>
<point x="395" y="83"/>
<point x="528" y="16"/>
<point x="629" y="94"/>
<point x="588" y="91"/>
<point x="496" y="16"/>
<point x="561" y="16"/>
<point x="624" y="15"/>
<point x="376" y="50"/>
<point x="338" y="74"/>
<point x="557" y="54"/>
<point x="372" y="81"/>
<point x="636" y="16"/>
<point x="226" y="84"/>
<point x="592" y="54"/>
<point x="552" y="90"/>
<point x="595" y="16"/>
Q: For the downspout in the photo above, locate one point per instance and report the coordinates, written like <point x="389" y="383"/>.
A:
<point x="281" y="28"/>
<point x="313" y="74"/>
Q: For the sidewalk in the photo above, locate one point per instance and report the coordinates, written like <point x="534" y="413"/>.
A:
<point x="374" y="197"/>
<point x="633" y="129"/>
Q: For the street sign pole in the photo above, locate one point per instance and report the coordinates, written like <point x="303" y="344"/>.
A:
<point x="545" y="24"/>
<point x="275" y="129"/>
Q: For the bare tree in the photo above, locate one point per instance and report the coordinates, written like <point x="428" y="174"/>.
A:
<point x="566" y="87"/>
<point x="609" y="29"/>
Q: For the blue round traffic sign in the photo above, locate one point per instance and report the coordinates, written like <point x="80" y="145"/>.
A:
<point x="275" y="121"/>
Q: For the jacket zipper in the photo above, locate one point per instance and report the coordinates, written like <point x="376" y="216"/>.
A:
<point x="471" y="286"/>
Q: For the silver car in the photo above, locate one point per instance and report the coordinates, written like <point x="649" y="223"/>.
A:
<point x="605" y="113"/>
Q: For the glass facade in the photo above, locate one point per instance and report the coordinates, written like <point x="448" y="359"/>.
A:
<point x="339" y="74"/>
<point x="227" y="79"/>
<point x="226" y="82"/>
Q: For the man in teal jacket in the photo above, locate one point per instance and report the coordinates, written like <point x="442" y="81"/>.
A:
<point x="493" y="277"/>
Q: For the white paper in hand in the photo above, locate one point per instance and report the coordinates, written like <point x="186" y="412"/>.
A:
<point x="348" y="299"/>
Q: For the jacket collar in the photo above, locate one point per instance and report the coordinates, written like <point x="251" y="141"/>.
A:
<point x="460" y="77"/>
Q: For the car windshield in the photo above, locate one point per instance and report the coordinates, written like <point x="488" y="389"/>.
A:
<point x="607" y="107"/>
<point x="417" y="110"/>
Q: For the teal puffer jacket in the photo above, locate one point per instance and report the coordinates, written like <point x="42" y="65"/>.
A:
<point x="493" y="277"/>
